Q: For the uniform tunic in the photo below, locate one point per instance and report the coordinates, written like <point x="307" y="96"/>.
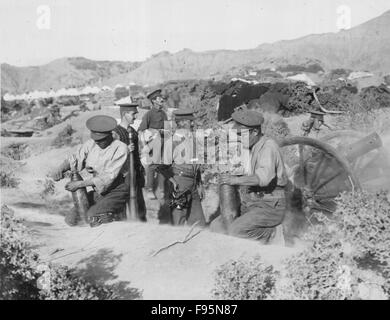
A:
<point x="105" y="168"/>
<point x="180" y="151"/>
<point x="123" y="136"/>
<point x="153" y="119"/>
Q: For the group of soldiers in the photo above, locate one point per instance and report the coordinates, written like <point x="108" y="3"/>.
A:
<point x="104" y="158"/>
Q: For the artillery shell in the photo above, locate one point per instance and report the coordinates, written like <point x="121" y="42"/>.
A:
<point x="228" y="198"/>
<point x="80" y="198"/>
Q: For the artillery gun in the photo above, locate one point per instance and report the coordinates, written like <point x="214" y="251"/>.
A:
<point x="320" y="169"/>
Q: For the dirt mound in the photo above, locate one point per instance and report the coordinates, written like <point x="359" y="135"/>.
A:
<point x="124" y="253"/>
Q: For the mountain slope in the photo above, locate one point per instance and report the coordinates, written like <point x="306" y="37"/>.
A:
<point x="60" y="73"/>
<point x="364" y="47"/>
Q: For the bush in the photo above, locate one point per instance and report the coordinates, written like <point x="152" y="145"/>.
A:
<point x="275" y="127"/>
<point x="8" y="180"/>
<point x="348" y="255"/>
<point x="244" y="280"/>
<point x="16" y="151"/>
<point x="121" y="92"/>
<point x="357" y="117"/>
<point x="64" y="138"/>
<point x="313" y="68"/>
<point x="24" y="276"/>
<point x="18" y="265"/>
<point x="48" y="187"/>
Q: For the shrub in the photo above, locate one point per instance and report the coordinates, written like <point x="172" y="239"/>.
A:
<point x="121" y="92"/>
<point x="8" y="180"/>
<point x="16" y="151"/>
<point x="356" y="117"/>
<point x="348" y="255"/>
<point x="244" y="280"/>
<point x="364" y="219"/>
<point x="48" y="187"/>
<point x="17" y="263"/>
<point x="24" y="276"/>
<point x="65" y="137"/>
<point x="275" y="127"/>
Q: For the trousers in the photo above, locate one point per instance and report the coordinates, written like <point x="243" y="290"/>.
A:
<point x="258" y="218"/>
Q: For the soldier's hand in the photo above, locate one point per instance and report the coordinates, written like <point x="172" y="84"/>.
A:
<point x="202" y="192"/>
<point x="131" y="147"/>
<point x="56" y="175"/>
<point x="227" y="179"/>
<point x="74" y="185"/>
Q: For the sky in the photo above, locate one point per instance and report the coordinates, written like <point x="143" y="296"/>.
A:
<point x="34" y="32"/>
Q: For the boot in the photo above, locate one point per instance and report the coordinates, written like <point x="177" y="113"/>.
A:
<point x="71" y="218"/>
<point x="99" y="219"/>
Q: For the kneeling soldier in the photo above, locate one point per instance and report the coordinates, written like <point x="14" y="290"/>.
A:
<point x="262" y="192"/>
<point x="104" y="159"/>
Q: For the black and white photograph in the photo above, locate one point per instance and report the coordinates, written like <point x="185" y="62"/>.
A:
<point x="195" y="153"/>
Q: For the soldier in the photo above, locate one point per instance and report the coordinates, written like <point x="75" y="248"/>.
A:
<point x="183" y="173"/>
<point x="315" y="122"/>
<point x="104" y="159"/>
<point x="262" y="192"/>
<point x="154" y="120"/>
<point x="123" y="132"/>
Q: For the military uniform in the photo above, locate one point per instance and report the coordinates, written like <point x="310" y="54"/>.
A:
<point x="185" y="202"/>
<point x="314" y="123"/>
<point x="124" y="136"/>
<point x="263" y="206"/>
<point x="104" y="168"/>
<point x="153" y="119"/>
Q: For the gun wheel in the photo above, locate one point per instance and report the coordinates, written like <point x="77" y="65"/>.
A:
<point x="319" y="174"/>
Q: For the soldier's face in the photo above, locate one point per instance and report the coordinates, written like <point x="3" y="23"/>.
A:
<point x="185" y="124"/>
<point x="159" y="102"/>
<point x="130" y="116"/>
<point x="254" y="134"/>
<point x="104" y="143"/>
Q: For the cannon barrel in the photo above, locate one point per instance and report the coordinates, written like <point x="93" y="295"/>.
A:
<point x="362" y="147"/>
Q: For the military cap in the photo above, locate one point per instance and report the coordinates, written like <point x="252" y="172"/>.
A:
<point x="183" y="114"/>
<point x="127" y="104"/>
<point x="154" y="94"/>
<point x="101" y="126"/>
<point x="248" y="118"/>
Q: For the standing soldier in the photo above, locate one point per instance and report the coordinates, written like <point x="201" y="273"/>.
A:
<point x="123" y="131"/>
<point x="314" y="123"/>
<point x="103" y="158"/>
<point x="154" y="120"/>
<point x="183" y="172"/>
<point x="262" y="192"/>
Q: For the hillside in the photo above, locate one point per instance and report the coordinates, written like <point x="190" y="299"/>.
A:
<point x="61" y="73"/>
<point x="364" y="47"/>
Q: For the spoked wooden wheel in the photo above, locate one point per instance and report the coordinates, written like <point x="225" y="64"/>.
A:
<point x="318" y="172"/>
<point x="371" y="168"/>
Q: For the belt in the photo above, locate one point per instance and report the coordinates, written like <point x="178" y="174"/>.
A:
<point x="183" y="174"/>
